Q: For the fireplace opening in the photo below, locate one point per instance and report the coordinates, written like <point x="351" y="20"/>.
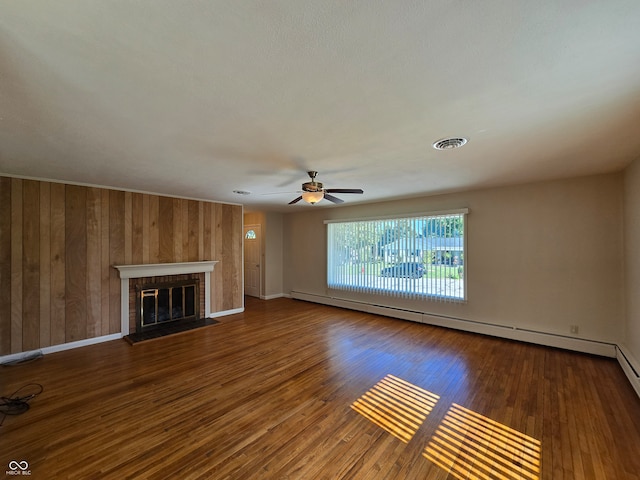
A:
<point x="162" y="304"/>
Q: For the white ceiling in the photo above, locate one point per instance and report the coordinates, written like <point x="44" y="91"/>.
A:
<point x="200" y="98"/>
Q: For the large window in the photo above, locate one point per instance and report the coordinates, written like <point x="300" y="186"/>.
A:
<point x="413" y="257"/>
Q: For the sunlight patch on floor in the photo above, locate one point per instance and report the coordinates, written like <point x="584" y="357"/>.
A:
<point x="397" y="406"/>
<point x="471" y="446"/>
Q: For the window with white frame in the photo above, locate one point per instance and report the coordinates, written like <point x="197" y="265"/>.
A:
<point x="412" y="257"/>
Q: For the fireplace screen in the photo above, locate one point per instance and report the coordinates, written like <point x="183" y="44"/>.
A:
<point x="160" y="304"/>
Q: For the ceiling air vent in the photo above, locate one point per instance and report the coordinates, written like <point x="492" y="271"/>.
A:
<point x="449" y="143"/>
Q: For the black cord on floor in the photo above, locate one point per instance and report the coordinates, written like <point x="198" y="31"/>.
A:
<point x="16" y="404"/>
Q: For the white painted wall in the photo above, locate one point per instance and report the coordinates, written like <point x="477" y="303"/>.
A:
<point x="631" y="340"/>
<point x="541" y="256"/>
<point x="273" y="255"/>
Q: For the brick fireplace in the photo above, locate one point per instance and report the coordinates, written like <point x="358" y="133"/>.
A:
<point x="163" y="300"/>
<point x="133" y="277"/>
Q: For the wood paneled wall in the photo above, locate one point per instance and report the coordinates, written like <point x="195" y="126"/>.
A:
<point x="58" y="244"/>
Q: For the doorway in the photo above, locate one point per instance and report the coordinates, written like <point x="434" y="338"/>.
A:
<point x="252" y="260"/>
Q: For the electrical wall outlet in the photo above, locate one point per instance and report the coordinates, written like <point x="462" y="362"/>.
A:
<point x="574" y="329"/>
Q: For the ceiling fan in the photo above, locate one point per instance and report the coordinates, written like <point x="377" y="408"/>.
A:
<point x="313" y="192"/>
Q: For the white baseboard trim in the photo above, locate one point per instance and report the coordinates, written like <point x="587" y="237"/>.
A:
<point x="89" y="341"/>
<point x="62" y="347"/>
<point x="630" y="366"/>
<point x="226" y="312"/>
<point x="511" y="333"/>
<point x="271" y="297"/>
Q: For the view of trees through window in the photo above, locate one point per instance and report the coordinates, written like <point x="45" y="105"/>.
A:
<point x="413" y="256"/>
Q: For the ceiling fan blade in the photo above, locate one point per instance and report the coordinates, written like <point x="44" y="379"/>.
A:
<point x="331" y="198"/>
<point x="295" y="200"/>
<point x="281" y="193"/>
<point x="344" y="190"/>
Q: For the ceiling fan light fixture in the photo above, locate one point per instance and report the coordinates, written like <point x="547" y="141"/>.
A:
<point x="313" y="197"/>
<point x="313" y="192"/>
<point x="449" y="143"/>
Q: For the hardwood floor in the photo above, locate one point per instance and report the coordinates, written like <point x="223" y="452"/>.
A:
<point x="292" y="390"/>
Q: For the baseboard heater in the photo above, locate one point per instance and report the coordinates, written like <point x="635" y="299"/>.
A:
<point x="511" y="333"/>
<point x="630" y="370"/>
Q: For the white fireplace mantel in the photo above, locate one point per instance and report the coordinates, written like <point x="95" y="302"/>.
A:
<point x="157" y="270"/>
